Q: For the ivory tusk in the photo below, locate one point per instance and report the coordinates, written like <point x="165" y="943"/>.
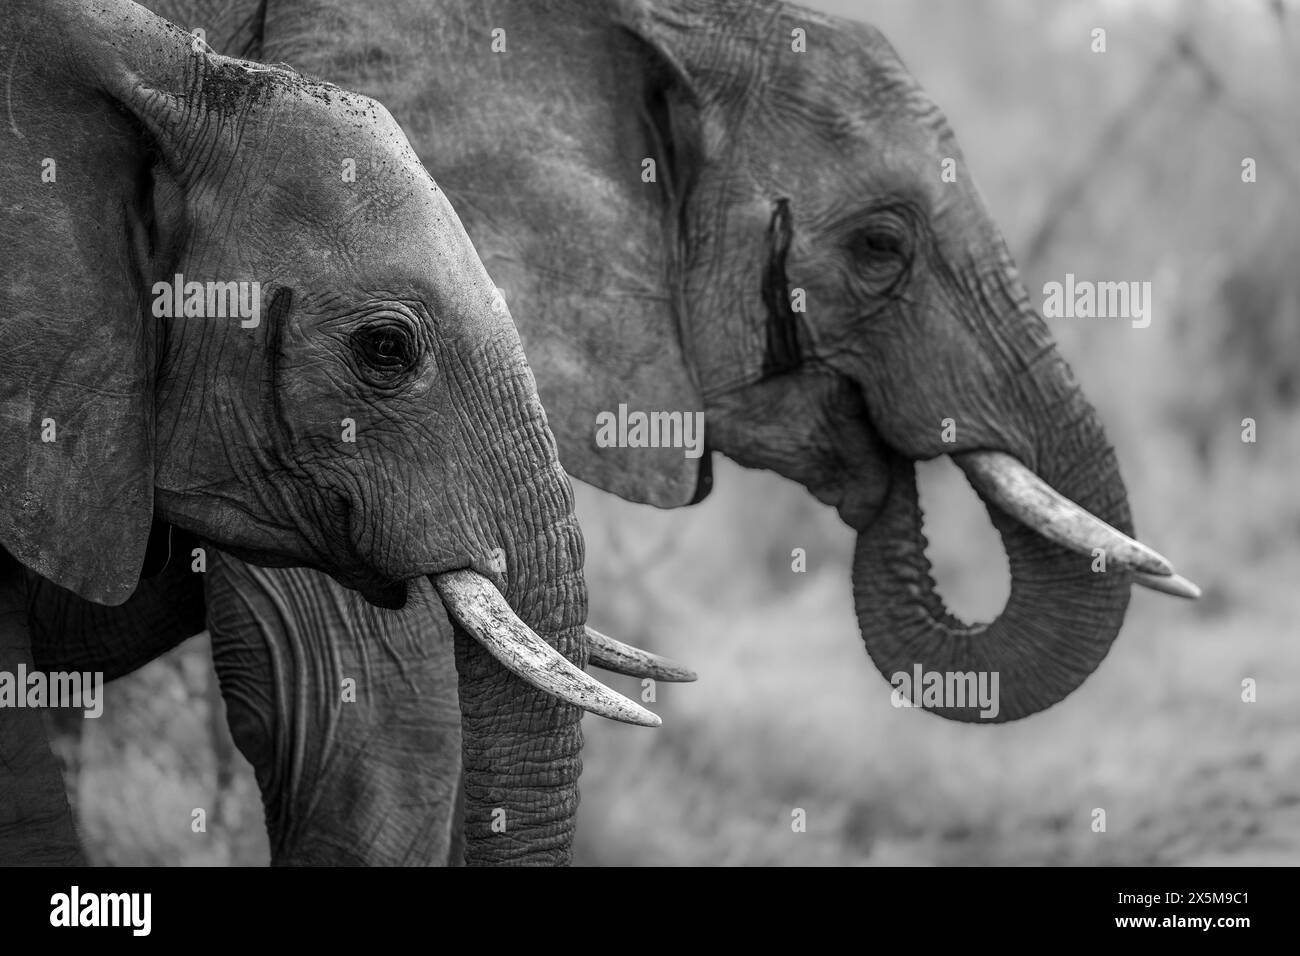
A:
<point x="604" y="651"/>
<point x="1174" y="584"/>
<point x="1019" y="492"/>
<point x="481" y="610"/>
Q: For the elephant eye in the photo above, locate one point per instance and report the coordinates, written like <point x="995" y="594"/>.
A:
<point x="883" y="253"/>
<point x="880" y="242"/>
<point x="385" y="348"/>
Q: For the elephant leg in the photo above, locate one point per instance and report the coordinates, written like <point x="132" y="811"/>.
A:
<point x="35" y="819"/>
<point x="347" y="712"/>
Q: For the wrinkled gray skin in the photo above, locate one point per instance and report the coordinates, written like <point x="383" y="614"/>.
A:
<point x="375" y="307"/>
<point x="776" y="171"/>
<point x="371" y="780"/>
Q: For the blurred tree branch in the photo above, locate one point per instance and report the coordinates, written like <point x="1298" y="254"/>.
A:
<point x="1184" y="52"/>
<point x="1072" y="191"/>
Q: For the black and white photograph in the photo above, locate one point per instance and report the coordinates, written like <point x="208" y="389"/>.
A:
<point x="650" y="433"/>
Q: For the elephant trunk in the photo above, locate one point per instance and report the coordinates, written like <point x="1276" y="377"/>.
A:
<point x="521" y="744"/>
<point x="520" y="645"/>
<point x="521" y="760"/>
<point x="1064" y="610"/>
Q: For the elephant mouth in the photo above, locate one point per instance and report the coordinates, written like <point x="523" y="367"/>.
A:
<point x="390" y="596"/>
<point x="476" y="605"/>
<point x="1066" y="533"/>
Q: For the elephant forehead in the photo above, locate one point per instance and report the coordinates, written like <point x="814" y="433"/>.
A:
<point x="418" y="243"/>
<point x="866" y="106"/>
<point x="357" y="187"/>
<point x="367" y="153"/>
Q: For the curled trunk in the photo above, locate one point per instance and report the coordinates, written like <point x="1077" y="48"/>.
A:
<point x="1061" y="616"/>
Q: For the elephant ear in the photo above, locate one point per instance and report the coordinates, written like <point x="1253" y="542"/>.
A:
<point x="644" y="135"/>
<point x="632" y="312"/>
<point x="91" y="131"/>
<point x="544" y="161"/>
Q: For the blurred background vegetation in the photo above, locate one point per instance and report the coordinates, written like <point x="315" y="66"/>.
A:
<point x="1122" y="165"/>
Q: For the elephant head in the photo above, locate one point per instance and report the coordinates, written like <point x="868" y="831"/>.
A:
<point x="754" y="209"/>
<point x="235" y="300"/>
<point x="852" y="308"/>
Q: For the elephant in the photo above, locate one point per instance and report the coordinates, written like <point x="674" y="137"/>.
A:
<point x="296" y="367"/>
<point x="738" y="209"/>
<point x="797" y="268"/>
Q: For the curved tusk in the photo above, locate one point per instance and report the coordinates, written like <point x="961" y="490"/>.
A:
<point x="604" y="651"/>
<point x="1019" y="492"/>
<point x="479" y="608"/>
<point x="1174" y="584"/>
